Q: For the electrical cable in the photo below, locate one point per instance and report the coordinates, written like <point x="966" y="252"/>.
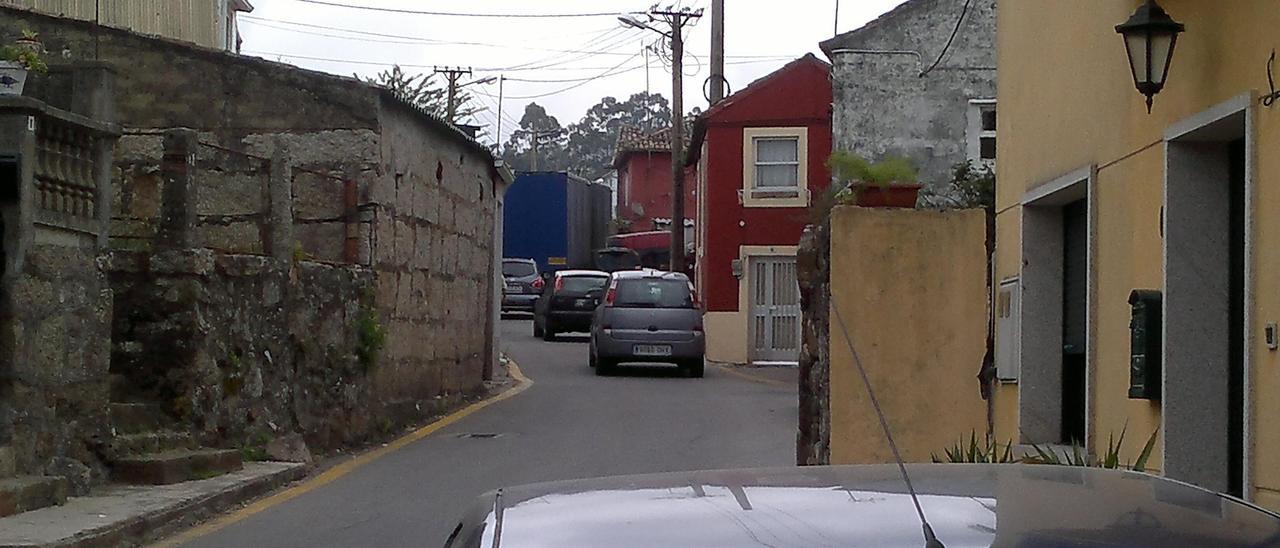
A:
<point x="605" y="74"/>
<point x="459" y="14"/>
<point x="963" y="12"/>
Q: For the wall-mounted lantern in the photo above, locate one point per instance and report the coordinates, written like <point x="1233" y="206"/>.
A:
<point x="1150" y="36"/>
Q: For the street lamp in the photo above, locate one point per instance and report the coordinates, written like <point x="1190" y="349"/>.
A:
<point x="1150" y="36"/>
<point x="634" y="23"/>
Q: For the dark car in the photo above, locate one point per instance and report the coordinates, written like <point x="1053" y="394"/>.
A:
<point x="617" y="259"/>
<point x="648" y="316"/>
<point x="522" y="285"/>
<point x="966" y="505"/>
<point x="567" y="302"/>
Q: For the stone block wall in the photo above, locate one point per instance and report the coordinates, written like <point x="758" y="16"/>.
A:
<point x="55" y="345"/>
<point x="244" y="348"/>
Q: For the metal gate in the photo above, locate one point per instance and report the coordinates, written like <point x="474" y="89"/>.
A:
<point x="775" y="310"/>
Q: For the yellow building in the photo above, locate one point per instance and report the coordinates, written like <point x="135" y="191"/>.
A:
<point x="209" y="23"/>
<point x="1098" y="198"/>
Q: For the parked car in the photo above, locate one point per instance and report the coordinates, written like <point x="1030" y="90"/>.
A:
<point x="522" y="285"/>
<point x="966" y="505"/>
<point x="568" y="298"/>
<point x="648" y="316"/>
<point x="617" y="259"/>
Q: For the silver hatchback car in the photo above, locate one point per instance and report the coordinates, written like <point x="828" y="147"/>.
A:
<point x="648" y="316"/>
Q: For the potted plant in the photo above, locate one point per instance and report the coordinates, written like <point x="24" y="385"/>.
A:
<point x="19" y="59"/>
<point x="890" y="182"/>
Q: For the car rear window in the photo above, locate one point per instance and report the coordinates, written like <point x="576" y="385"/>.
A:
<point x="518" y="269"/>
<point x="615" y="261"/>
<point x="653" y="293"/>
<point x="582" y="285"/>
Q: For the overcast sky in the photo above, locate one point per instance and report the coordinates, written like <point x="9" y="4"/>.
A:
<point x="760" y="37"/>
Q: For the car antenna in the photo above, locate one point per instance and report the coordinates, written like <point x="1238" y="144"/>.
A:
<point x="930" y="539"/>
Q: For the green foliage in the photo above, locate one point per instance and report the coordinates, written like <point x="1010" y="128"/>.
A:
<point x="1110" y="459"/>
<point x="255" y="447"/>
<point x="370" y="338"/>
<point x="849" y="167"/>
<point x="973" y="185"/>
<point x="586" y="147"/>
<point x="986" y="452"/>
<point x="27" y="53"/>
<point x="422" y="91"/>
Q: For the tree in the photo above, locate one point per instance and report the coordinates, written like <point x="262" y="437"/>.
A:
<point x="422" y="91"/>
<point x="536" y="124"/>
<point x="592" y="140"/>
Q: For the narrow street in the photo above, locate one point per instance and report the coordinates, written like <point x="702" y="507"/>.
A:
<point x="569" y="424"/>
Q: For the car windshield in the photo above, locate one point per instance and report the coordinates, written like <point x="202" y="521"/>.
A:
<point x="518" y="269"/>
<point x="654" y="293"/>
<point x="581" y="285"/>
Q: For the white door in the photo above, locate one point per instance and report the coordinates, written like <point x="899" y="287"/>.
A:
<point x="775" y="310"/>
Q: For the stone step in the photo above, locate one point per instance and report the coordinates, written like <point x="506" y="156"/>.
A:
<point x="175" y="466"/>
<point x="136" y="418"/>
<point x="26" y="493"/>
<point x="8" y="465"/>
<point x="125" y="445"/>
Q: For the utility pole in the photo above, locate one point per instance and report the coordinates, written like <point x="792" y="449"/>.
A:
<point x="717" y="51"/>
<point x="535" y="136"/>
<point x="498" y="137"/>
<point x="453" y="74"/>
<point x="677" y="19"/>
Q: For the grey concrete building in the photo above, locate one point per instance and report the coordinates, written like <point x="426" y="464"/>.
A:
<point x="905" y="85"/>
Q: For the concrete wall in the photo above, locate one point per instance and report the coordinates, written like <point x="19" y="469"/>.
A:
<point x="910" y="286"/>
<point x="1072" y="122"/>
<point x="882" y="104"/>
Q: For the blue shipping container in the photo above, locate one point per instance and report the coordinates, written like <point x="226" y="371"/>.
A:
<point x="556" y="219"/>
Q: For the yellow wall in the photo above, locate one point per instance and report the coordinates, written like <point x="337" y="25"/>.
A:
<point x="1067" y="101"/>
<point x="910" y="287"/>
<point x="195" y="21"/>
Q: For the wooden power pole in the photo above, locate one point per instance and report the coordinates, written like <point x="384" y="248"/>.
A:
<point x="453" y="74"/>
<point x="677" y="19"/>
<point x="717" y="51"/>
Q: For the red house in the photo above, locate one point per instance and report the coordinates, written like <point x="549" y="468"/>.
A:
<point x="762" y="158"/>
<point x="643" y="161"/>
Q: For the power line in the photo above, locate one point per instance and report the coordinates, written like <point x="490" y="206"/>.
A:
<point x="599" y="36"/>
<point x="611" y="72"/>
<point x="458" y="14"/>
<point x="963" y="11"/>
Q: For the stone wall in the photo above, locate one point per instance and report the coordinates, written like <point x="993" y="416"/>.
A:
<point x="883" y="106"/>
<point x="246" y="348"/>
<point x="434" y="257"/>
<point x="813" y="272"/>
<point x="55" y="344"/>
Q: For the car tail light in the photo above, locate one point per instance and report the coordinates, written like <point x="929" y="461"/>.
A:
<point x="538" y="284"/>
<point x="697" y="327"/>
<point x="611" y="295"/>
<point x="559" y="284"/>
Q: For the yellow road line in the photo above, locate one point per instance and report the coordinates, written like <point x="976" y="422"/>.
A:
<point x="340" y="470"/>
<point x="762" y="380"/>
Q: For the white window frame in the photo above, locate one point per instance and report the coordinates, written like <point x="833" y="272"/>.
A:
<point x="977" y="107"/>
<point x="751" y="196"/>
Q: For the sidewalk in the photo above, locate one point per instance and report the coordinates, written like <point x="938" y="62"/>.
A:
<point x="131" y="515"/>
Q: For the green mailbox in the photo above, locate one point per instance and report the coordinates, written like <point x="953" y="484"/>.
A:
<point x="1144" y="344"/>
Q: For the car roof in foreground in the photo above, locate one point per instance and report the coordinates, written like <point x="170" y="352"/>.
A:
<point x="967" y="505"/>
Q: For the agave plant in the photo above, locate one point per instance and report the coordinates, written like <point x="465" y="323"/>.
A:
<point x="985" y="452"/>
<point x="1076" y="455"/>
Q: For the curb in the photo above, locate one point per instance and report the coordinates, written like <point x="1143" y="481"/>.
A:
<point x="328" y="476"/>
<point x="737" y="372"/>
<point x="154" y="524"/>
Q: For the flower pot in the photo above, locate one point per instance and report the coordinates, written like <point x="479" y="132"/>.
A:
<point x="12" y="78"/>
<point x="33" y="45"/>
<point x="895" y="195"/>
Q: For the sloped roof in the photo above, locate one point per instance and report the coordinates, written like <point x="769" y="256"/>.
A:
<point x="632" y="139"/>
<point x="852" y="38"/>
<point x="700" y="125"/>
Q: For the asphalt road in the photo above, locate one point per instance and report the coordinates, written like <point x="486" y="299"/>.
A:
<point x="570" y="424"/>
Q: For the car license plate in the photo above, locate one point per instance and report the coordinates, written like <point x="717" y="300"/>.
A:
<point x="513" y="288"/>
<point x="651" y="350"/>
<point x="586" y="303"/>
